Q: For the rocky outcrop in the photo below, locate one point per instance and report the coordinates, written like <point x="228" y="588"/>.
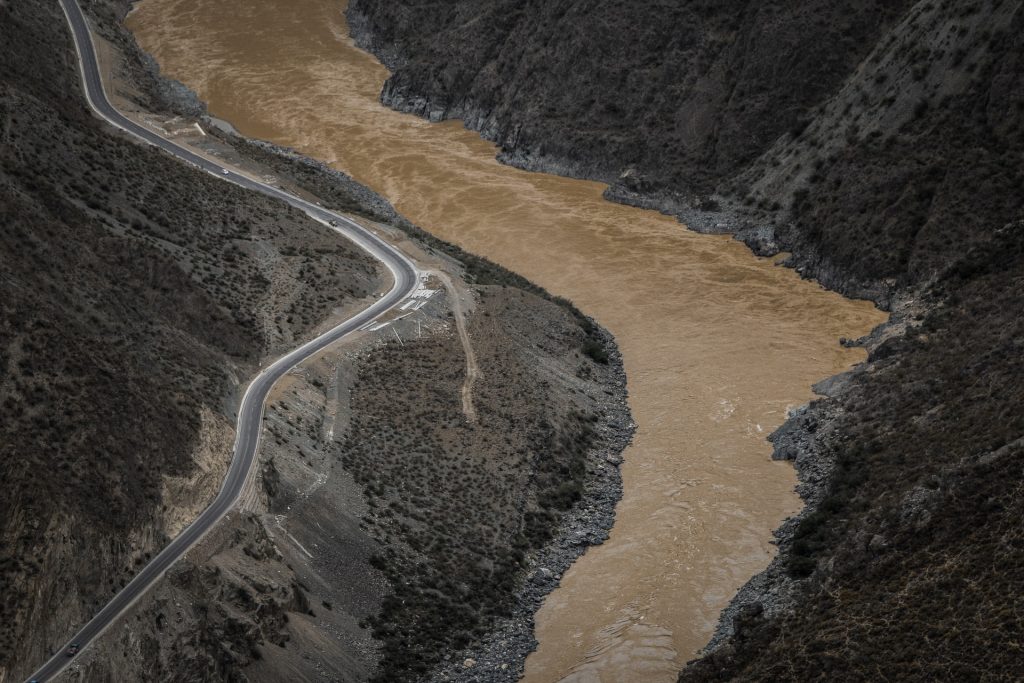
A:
<point x="910" y="472"/>
<point x="831" y="131"/>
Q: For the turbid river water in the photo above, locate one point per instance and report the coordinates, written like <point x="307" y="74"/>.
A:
<point x="717" y="343"/>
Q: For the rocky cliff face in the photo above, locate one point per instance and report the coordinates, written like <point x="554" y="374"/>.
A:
<point x="881" y="144"/>
<point x="906" y="565"/>
<point x="863" y="136"/>
<point x="662" y="88"/>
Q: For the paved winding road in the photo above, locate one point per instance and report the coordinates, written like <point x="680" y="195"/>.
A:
<point x="250" y="413"/>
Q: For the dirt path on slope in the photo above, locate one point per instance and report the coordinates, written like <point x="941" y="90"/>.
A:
<point x="472" y="369"/>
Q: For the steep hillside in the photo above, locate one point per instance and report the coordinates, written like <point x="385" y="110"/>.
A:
<point x="833" y="125"/>
<point x="137" y="295"/>
<point x="910" y="566"/>
<point x="389" y="533"/>
<point x="134" y="295"/>
<point x="661" y="87"/>
<point x="881" y="144"/>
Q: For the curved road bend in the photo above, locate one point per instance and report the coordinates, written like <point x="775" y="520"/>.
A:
<point x="250" y="413"/>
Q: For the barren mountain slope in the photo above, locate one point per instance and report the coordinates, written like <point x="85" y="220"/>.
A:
<point x="134" y="295"/>
<point x="880" y="143"/>
<point x="389" y="533"/>
<point x="873" y="139"/>
<point x="137" y="295"/>
<point x="908" y="567"/>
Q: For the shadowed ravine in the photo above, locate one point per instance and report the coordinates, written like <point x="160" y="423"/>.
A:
<point x="717" y="343"/>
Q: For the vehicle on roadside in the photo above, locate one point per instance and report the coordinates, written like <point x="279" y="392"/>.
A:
<point x="73" y="649"/>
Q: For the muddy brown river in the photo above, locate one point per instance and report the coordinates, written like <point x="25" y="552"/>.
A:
<point x="717" y="344"/>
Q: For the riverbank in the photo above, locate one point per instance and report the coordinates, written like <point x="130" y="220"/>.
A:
<point x="501" y="654"/>
<point x="755" y="225"/>
<point x="583" y="524"/>
<point x="717" y="344"/>
<point x="801" y="438"/>
<point x="805" y="439"/>
<point x="879" y="143"/>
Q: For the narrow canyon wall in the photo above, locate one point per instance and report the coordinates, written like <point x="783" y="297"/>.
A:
<point x="878" y="142"/>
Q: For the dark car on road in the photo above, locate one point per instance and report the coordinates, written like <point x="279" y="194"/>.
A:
<point x="73" y="649"/>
